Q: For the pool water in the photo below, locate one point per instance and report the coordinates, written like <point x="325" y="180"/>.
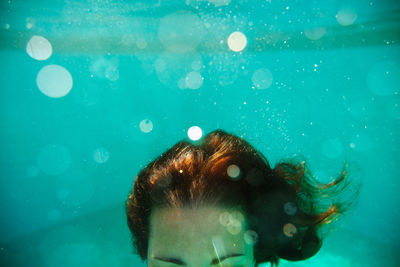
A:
<point x="92" y="91"/>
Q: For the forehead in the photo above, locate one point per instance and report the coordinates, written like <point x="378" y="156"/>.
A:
<point x="207" y="229"/>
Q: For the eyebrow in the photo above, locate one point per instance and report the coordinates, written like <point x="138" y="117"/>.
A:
<point x="213" y="261"/>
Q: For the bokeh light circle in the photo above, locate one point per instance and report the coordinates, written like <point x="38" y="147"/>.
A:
<point x="39" y="48"/>
<point x="262" y="78"/>
<point x="54" y="81"/>
<point x="195" y="133"/>
<point x="237" y="41"/>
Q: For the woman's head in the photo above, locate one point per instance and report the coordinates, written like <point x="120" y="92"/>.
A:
<point x="199" y="237"/>
<point x="226" y="185"/>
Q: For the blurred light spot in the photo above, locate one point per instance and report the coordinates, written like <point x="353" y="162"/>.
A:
<point x="237" y="41"/>
<point x="290" y="208"/>
<point x="234" y="226"/>
<point x="141" y="43"/>
<point x="289" y="229"/>
<point x="6" y="26"/>
<point x="146" y="125"/>
<point x="237" y="215"/>
<point x="193" y="80"/>
<point x="53" y="159"/>
<point x="101" y="155"/>
<point x="250" y="237"/>
<point x="182" y="83"/>
<point x="173" y="69"/>
<point x="233" y="171"/>
<point x="316" y="33"/>
<point x="362" y="142"/>
<point x="195" y="133"/>
<point x="224" y="218"/>
<point x="106" y="68"/>
<point x="346" y="17"/>
<point x="196" y="65"/>
<point x="79" y="185"/>
<point x="54" y="81"/>
<point x="128" y="39"/>
<point x="181" y="31"/>
<point x="32" y="171"/>
<point x="262" y="78"/>
<point x="39" y="48"/>
<point x="332" y="148"/>
<point x="159" y="65"/>
<point x="53" y="215"/>
<point x="141" y="130"/>
<point x="384" y="78"/>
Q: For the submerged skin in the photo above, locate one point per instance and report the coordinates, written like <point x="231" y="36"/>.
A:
<point x="197" y="237"/>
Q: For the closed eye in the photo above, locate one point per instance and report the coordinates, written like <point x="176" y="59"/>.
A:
<point x="214" y="261"/>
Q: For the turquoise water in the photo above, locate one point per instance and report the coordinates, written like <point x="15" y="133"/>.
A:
<point x="91" y="91"/>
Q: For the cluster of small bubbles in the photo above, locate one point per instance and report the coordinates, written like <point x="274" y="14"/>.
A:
<point x="194" y="80"/>
<point x="237" y="41"/>
<point x="53" y="215"/>
<point x="332" y="148"/>
<point x="53" y="159"/>
<point x="146" y="125"/>
<point x="101" y="155"/>
<point x="32" y="171"/>
<point x="290" y="208"/>
<point x="233" y="171"/>
<point x="250" y="237"/>
<point x="262" y="78"/>
<point x="54" y="81"/>
<point x="315" y="33"/>
<point x="383" y="78"/>
<point x="195" y="133"/>
<point x="39" y="48"/>
<point x="181" y="31"/>
<point x="105" y="68"/>
<point x="289" y="229"/>
<point x="346" y="17"/>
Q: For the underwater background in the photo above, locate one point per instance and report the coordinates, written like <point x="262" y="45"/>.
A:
<point x="92" y="91"/>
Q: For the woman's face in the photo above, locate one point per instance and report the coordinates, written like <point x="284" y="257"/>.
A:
<point x="204" y="236"/>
